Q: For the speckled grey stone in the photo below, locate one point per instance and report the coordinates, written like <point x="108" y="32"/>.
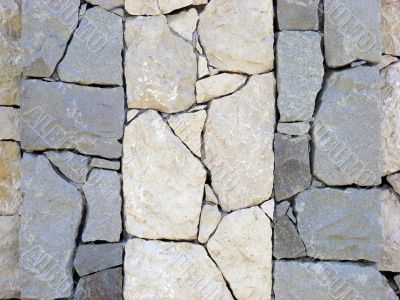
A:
<point x="105" y="164"/>
<point x="297" y="14"/>
<point x="281" y="209"/>
<point x="297" y="128"/>
<point x="287" y="242"/>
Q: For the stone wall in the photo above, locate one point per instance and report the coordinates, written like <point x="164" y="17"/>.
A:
<point x="195" y="149"/>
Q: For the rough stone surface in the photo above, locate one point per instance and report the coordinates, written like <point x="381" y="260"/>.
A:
<point x="238" y="144"/>
<point x="202" y="67"/>
<point x="105" y="164"/>
<point x="397" y="280"/>
<point x="346" y="131"/>
<point x="269" y="207"/>
<point x="50" y="206"/>
<point x="300" y="72"/>
<point x="387" y="60"/>
<point x="87" y="119"/>
<point x="74" y="166"/>
<point x="298" y="128"/>
<point x="219" y="85"/>
<point x="352" y="229"/>
<point x="210" y="195"/>
<point x="9" y="257"/>
<point x="160" y="67"/>
<point x="163" y="181"/>
<point x="184" y="23"/>
<point x="247" y="27"/>
<point x="357" y="38"/>
<point x="97" y="257"/>
<point x="10" y="92"/>
<point x="157" y="7"/>
<point x="292" y="165"/>
<point x="155" y="269"/>
<point x="390" y="27"/>
<point x="132" y="113"/>
<point x="103" y="195"/>
<point x="298" y="14"/>
<point x="107" y="4"/>
<point x="390" y="124"/>
<point x="188" y="127"/>
<point x="242" y="249"/>
<point x="10" y="178"/>
<point x="209" y="220"/>
<point x="105" y="285"/>
<point x="10" y="123"/>
<point x="394" y="181"/>
<point x="287" y="242"/>
<point x="94" y="54"/>
<point x="47" y="29"/>
<point x="330" y="281"/>
<point x="281" y="209"/>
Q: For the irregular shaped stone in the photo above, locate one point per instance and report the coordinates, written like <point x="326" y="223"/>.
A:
<point x="10" y="123"/>
<point x="132" y="114"/>
<point x="390" y="123"/>
<point x="390" y="27"/>
<point x="105" y="164"/>
<point x="397" y="280"/>
<point x="47" y="29"/>
<point x="287" y="242"/>
<point x="298" y="128"/>
<point x="10" y="92"/>
<point x="329" y="280"/>
<point x="74" y="166"/>
<point x="103" y="195"/>
<point x="184" y="268"/>
<point x="394" y="181"/>
<point x="140" y="7"/>
<point x="94" y="54"/>
<point x="352" y="229"/>
<point x="351" y="32"/>
<point x="269" y="207"/>
<point x="281" y="209"/>
<point x="210" y="195"/>
<point x="244" y="256"/>
<point x="189" y="127"/>
<point x="163" y="181"/>
<point x="346" y="131"/>
<point x="184" y="23"/>
<point x="50" y="206"/>
<point x="87" y="119"/>
<point x="386" y="61"/>
<point x="160" y="67"/>
<point x="10" y="178"/>
<point x="390" y="260"/>
<point x="218" y="85"/>
<point x="209" y="220"/>
<point x="97" y="257"/>
<point x="292" y="165"/>
<point x="9" y="257"/>
<point x="202" y="67"/>
<point x="298" y="14"/>
<point x="105" y="285"/>
<point x="247" y="27"/>
<point x="238" y="144"/>
<point x="198" y="107"/>
<point x="107" y="4"/>
<point x="300" y="72"/>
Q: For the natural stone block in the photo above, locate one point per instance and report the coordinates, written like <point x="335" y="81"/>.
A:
<point x="298" y="14"/>
<point x="157" y="7"/>
<point x="184" y="23"/>
<point x="105" y="164"/>
<point x="10" y="123"/>
<point x="209" y="220"/>
<point x="346" y="131"/>
<point x="87" y="119"/>
<point x="300" y="72"/>
<point x="247" y="27"/>
<point x="238" y="144"/>
<point x="394" y="181"/>
<point x="386" y="61"/>
<point x="287" y="242"/>
<point x="296" y="129"/>
<point x="107" y="4"/>
<point x="10" y="93"/>
<point x="269" y="207"/>
<point x="390" y="27"/>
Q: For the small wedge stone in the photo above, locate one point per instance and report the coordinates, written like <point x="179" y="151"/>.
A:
<point x="394" y="181"/>
<point x="210" y="195"/>
<point x="184" y="23"/>
<point x="105" y="164"/>
<point x="209" y="220"/>
<point x="287" y="242"/>
<point x="107" y="4"/>
<point x="269" y="207"/>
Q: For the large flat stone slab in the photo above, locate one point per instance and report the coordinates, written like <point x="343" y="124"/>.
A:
<point x="238" y="144"/>
<point x="163" y="182"/>
<point x="346" y="131"/>
<point x="390" y="27"/>
<point x="56" y="115"/>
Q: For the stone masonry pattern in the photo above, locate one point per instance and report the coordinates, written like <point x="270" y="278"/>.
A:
<point x="200" y="149"/>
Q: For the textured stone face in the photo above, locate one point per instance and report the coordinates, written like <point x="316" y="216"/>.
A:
<point x="184" y="23"/>
<point x="329" y="280"/>
<point x="155" y="269"/>
<point x="107" y="4"/>
<point x="210" y="217"/>
<point x="352" y="229"/>
<point x="87" y="119"/>
<point x="292" y="165"/>
<point x="210" y="195"/>
<point x="50" y="205"/>
<point x="9" y="257"/>
<point x="10" y="177"/>
<point x="157" y="7"/>
<point x="105" y="164"/>
<point x="247" y="27"/>
<point x="298" y="128"/>
<point x="390" y="27"/>
<point x="160" y="68"/>
<point x="10" y="119"/>
<point x="394" y="181"/>
<point x="97" y="257"/>
<point x="352" y="32"/>
<point x="244" y="256"/>
<point x="298" y="14"/>
<point x="47" y="26"/>
<point x="300" y="71"/>
<point x="387" y="60"/>
<point x="94" y="54"/>
<point x="163" y="181"/>
<point x="287" y="242"/>
<point x="269" y="207"/>
<point x="103" y="194"/>
<point x="241" y="161"/>
<point x="346" y="131"/>
<point x="390" y="127"/>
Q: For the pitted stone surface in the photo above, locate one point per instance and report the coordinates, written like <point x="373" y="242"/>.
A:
<point x="247" y="27"/>
<point x="390" y="27"/>
<point x="163" y="182"/>
<point x="10" y="123"/>
<point x="241" y="161"/>
<point x="210" y="217"/>
<point x="297" y="14"/>
<point x="160" y="67"/>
